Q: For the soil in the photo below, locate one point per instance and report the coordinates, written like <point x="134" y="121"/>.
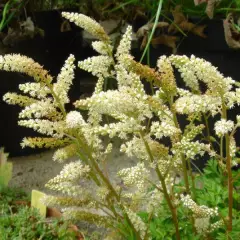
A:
<point x="34" y="171"/>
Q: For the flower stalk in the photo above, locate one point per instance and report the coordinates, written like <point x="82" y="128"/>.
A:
<point x="229" y="171"/>
<point x="172" y="208"/>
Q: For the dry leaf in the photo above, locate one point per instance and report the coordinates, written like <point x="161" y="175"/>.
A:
<point x="184" y="24"/>
<point x="144" y="42"/>
<point x="169" y="41"/>
<point x="142" y="31"/>
<point x="211" y="4"/>
<point x="178" y="15"/>
<point x="195" y="29"/>
<point x="232" y="36"/>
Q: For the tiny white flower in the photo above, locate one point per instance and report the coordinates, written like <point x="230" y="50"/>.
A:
<point x="74" y="120"/>
<point x="223" y="127"/>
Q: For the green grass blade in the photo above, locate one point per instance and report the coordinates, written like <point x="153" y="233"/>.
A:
<point x="153" y="29"/>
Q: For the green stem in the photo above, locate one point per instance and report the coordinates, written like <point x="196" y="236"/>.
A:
<point x="153" y="29"/>
<point x="184" y="167"/>
<point x="228" y="9"/>
<point x="192" y="178"/>
<point x="229" y="171"/>
<point x="111" y="189"/>
<point x="114" y="193"/>
<point x="113" y="210"/>
<point x="149" y="64"/>
<point x="5" y="21"/>
<point x="230" y="182"/>
<point x="57" y="99"/>
<point x="208" y="131"/>
<point x="172" y="208"/>
<point x="221" y="150"/>
<point x="175" y="25"/>
<point x="5" y="10"/>
<point x="150" y="216"/>
<point x="92" y="174"/>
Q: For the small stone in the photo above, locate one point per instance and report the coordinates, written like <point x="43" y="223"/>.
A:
<point x="30" y="169"/>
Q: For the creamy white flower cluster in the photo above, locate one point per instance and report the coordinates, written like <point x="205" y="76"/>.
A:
<point x="74" y="119"/>
<point x="167" y="75"/>
<point x="47" y="107"/>
<point x="64" y="80"/>
<point x="67" y="181"/>
<point x="117" y="103"/>
<point x="87" y="131"/>
<point x="124" y="46"/>
<point x="43" y="108"/>
<point x="163" y="164"/>
<point x="202" y="215"/>
<point x="46" y="127"/>
<point x="44" y="142"/>
<point x="17" y="99"/>
<point x="185" y="67"/>
<point x="72" y="172"/>
<point x="65" y="153"/>
<point x="202" y="224"/>
<point x="198" y="103"/>
<point x="67" y="188"/>
<point x="120" y="129"/>
<point x="192" y="130"/>
<point x="135" y="147"/>
<point x="190" y="148"/>
<point x="97" y="65"/>
<point x="102" y="48"/>
<point x="102" y="193"/>
<point x="223" y="127"/>
<point x="99" y="85"/>
<point x="193" y="69"/>
<point x="23" y="64"/>
<point x="130" y="79"/>
<point x="230" y="99"/>
<point x="198" y="211"/>
<point x="135" y="176"/>
<point x="154" y="199"/>
<point x="137" y="222"/>
<point x="163" y="129"/>
<point x="216" y="225"/>
<point x="36" y="90"/>
<point x="233" y="148"/>
<point x="88" y="24"/>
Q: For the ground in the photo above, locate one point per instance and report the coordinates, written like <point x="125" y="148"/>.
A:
<point x="32" y="172"/>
